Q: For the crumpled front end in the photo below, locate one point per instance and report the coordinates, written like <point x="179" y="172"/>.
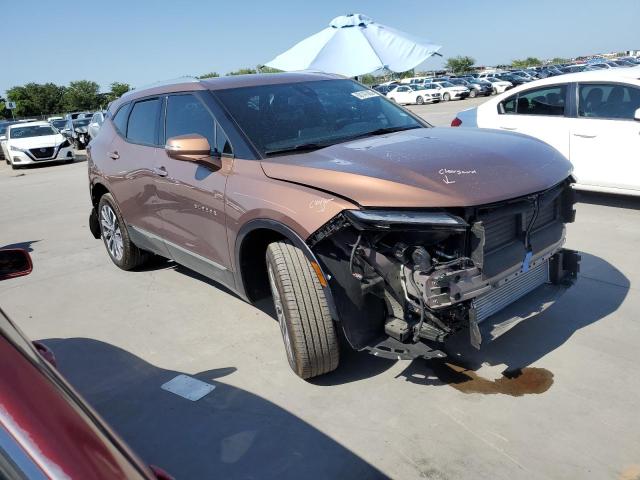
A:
<point x="405" y="280"/>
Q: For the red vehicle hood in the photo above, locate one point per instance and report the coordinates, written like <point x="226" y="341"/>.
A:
<point x="430" y="167"/>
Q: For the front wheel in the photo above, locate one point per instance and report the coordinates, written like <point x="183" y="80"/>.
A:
<point x="446" y="97"/>
<point x="309" y="336"/>
<point x="419" y="100"/>
<point x="122" y="251"/>
<point x="472" y="94"/>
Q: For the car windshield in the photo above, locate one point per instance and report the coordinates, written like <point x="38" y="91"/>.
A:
<point x="303" y="116"/>
<point x="447" y="84"/>
<point x="31" y="131"/>
<point x="82" y="122"/>
<point x="59" y="124"/>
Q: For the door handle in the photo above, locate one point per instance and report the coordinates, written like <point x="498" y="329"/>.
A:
<point x="160" y="171"/>
<point x="582" y="135"/>
<point x="508" y="128"/>
<point x="114" y="155"/>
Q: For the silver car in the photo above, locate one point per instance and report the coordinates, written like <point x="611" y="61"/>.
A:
<point x="96" y="123"/>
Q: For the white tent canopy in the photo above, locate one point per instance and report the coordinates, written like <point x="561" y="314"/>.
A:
<point x="354" y="45"/>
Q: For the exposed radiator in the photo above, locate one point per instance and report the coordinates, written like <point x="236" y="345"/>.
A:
<point x="499" y="298"/>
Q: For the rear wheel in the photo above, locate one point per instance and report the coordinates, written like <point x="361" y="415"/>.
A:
<point x="120" y="248"/>
<point x="309" y="336"/>
<point x="472" y="94"/>
<point x="446" y="97"/>
<point x="419" y="100"/>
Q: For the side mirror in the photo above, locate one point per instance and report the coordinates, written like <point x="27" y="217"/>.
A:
<point x="636" y="115"/>
<point x="14" y="263"/>
<point x="191" y="148"/>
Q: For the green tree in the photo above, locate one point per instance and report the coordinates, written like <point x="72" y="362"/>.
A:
<point x="243" y="71"/>
<point x="460" y="64"/>
<point x="527" y="62"/>
<point x="368" y="79"/>
<point x="117" y="90"/>
<point x="82" y="95"/>
<point x="265" y="69"/>
<point x="37" y="99"/>
<point x="557" y="60"/>
<point x="209" y="75"/>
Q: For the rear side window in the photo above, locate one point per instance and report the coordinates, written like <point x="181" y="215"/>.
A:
<point x="186" y="114"/>
<point x="608" y="101"/>
<point x="539" y="101"/>
<point x="143" y="122"/>
<point x="120" y="119"/>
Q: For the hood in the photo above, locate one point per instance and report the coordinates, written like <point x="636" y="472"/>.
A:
<point x="427" y="167"/>
<point x="38" y="142"/>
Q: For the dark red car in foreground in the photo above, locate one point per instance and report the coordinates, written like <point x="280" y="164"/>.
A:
<point x="46" y="430"/>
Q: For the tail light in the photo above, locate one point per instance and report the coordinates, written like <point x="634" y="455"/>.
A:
<point x="456" y="122"/>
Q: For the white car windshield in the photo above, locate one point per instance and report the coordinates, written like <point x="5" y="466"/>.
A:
<point x="31" y="131"/>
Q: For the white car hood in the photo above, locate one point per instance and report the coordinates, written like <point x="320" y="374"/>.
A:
<point x="37" y="142"/>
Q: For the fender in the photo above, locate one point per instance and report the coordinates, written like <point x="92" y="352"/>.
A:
<point x="296" y="240"/>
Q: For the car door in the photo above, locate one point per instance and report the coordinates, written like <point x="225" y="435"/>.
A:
<point x="538" y="112"/>
<point x="402" y="95"/>
<point x="605" y="137"/>
<point x="191" y="195"/>
<point x="130" y="170"/>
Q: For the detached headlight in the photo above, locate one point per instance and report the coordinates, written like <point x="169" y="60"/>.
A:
<point x="16" y="149"/>
<point x="412" y="219"/>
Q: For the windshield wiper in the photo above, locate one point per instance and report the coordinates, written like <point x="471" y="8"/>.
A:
<point x="380" y="131"/>
<point x="302" y="147"/>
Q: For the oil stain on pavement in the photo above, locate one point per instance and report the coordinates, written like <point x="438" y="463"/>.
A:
<point x="516" y="382"/>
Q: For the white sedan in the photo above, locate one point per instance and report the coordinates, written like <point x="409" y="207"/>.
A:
<point x="592" y="118"/>
<point x="449" y="91"/>
<point x="36" y="142"/>
<point x="414" y="94"/>
<point x="499" y="86"/>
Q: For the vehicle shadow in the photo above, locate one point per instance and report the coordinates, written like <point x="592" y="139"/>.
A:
<point x="230" y="433"/>
<point x="609" y="200"/>
<point x="600" y="290"/>
<point x="22" y="245"/>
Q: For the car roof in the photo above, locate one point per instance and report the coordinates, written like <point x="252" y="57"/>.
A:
<point x="220" y="83"/>
<point x="30" y="124"/>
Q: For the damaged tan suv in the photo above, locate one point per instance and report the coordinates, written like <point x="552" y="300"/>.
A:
<point x="354" y="215"/>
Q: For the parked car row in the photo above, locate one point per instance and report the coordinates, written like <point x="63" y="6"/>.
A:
<point x="592" y="118"/>
<point x="419" y="90"/>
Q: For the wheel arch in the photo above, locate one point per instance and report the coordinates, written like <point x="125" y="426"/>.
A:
<point x="250" y="258"/>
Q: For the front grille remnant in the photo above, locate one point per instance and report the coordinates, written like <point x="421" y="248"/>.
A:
<point x="509" y="292"/>
<point x="40" y="153"/>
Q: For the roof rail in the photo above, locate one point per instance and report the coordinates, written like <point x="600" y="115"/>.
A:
<point x="162" y="83"/>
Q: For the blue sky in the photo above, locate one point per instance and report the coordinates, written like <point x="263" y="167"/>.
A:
<point x="140" y="41"/>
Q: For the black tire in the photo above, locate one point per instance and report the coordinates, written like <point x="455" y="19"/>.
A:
<point x="128" y="256"/>
<point x="311" y="342"/>
<point x="472" y="94"/>
<point x="419" y="100"/>
<point x="446" y="97"/>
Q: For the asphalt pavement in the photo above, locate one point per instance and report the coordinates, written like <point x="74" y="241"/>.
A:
<point x="566" y="408"/>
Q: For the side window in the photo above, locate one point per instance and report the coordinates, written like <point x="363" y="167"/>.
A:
<point x="222" y="142"/>
<point x="120" y="119"/>
<point x="539" y="101"/>
<point x="403" y="89"/>
<point x="608" y="101"/>
<point x="143" y="121"/>
<point x="508" y="105"/>
<point x="186" y="114"/>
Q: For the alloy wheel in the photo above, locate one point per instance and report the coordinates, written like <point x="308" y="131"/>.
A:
<point x="111" y="232"/>
<point x="277" y="303"/>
